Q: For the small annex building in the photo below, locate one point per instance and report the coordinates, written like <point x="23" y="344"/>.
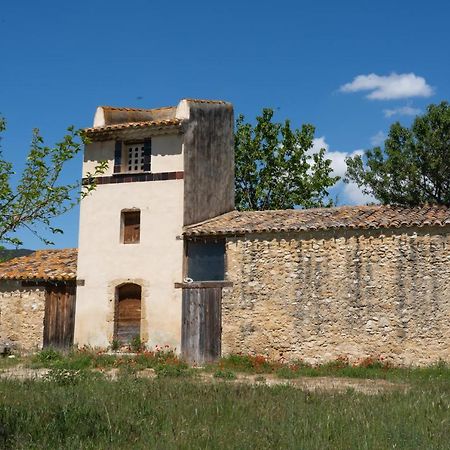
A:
<point x="164" y="256"/>
<point x="37" y="300"/>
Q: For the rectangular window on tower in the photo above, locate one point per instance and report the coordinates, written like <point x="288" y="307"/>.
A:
<point x="137" y="156"/>
<point x="130" y="227"/>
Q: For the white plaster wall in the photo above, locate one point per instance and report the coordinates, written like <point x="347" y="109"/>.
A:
<point x="155" y="263"/>
<point x="166" y="155"/>
<point x="96" y="152"/>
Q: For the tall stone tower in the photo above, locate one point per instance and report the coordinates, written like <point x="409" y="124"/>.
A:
<point x="167" y="167"/>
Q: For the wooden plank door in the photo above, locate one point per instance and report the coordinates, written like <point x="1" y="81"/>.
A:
<point x="201" y="332"/>
<point x="59" y="320"/>
<point x="128" y="319"/>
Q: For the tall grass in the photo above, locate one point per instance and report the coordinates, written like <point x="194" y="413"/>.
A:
<point x="183" y="414"/>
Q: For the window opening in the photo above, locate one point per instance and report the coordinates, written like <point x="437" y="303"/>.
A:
<point x="206" y="260"/>
<point x="135" y="157"/>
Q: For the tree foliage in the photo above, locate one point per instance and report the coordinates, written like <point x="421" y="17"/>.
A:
<point x="39" y="196"/>
<point x="414" y="167"/>
<point x="275" y="168"/>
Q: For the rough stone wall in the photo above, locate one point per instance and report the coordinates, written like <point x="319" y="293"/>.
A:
<point x="321" y="295"/>
<point x="22" y="312"/>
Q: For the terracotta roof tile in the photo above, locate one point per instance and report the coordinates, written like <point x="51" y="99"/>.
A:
<point x="153" y="124"/>
<point x="52" y="264"/>
<point x="362" y="217"/>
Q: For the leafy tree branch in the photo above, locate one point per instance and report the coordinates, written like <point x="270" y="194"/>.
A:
<point x="275" y="168"/>
<point x="414" y="166"/>
<point x="39" y="195"/>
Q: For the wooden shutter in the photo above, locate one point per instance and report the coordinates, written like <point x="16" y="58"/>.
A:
<point x="118" y="157"/>
<point x="131" y="227"/>
<point x="147" y="155"/>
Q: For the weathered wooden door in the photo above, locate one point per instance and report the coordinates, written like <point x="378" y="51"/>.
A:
<point x="128" y="314"/>
<point x="59" y="320"/>
<point x="201" y="324"/>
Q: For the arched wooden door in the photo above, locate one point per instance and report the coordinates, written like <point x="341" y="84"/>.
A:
<point x="128" y="312"/>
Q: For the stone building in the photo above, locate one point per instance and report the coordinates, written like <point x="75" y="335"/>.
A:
<point x="318" y="284"/>
<point x="164" y="257"/>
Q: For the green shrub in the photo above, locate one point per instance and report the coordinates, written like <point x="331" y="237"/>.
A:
<point x="172" y="370"/>
<point x="225" y="374"/>
<point x="248" y="363"/>
<point x="287" y="373"/>
<point x="47" y="355"/>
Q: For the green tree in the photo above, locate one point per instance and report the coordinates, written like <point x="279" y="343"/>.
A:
<point x="38" y="196"/>
<point x="275" y="168"/>
<point x="414" y="167"/>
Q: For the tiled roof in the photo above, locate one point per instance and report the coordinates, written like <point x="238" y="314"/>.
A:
<point x="58" y="264"/>
<point x="153" y="124"/>
<point x="363" y="217"/>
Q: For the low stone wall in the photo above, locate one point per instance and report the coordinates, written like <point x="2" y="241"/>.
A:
<point x="22" y="312"/>
<point x="320" y="295"/>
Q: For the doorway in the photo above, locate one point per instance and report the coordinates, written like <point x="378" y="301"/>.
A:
<point x="128" y="313"/>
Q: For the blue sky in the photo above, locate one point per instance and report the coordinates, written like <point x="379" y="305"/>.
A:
<point x="351" y="68"/>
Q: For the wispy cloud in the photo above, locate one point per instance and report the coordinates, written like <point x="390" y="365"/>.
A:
<point x="378" y="139"/>
<point x="393" y="86"/>
<point x="402" y="111"/>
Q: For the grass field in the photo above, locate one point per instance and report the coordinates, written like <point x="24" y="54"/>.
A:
<point x="74" y="407"/>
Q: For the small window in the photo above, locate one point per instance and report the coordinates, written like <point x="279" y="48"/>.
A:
<point x="206" y="260"/>
<point x="135" y="158"/>
<point x="131" y="227"/>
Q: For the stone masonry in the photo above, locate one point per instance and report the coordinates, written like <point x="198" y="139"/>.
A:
<point x="22" y="312"/>
<point x="320" y="295"/>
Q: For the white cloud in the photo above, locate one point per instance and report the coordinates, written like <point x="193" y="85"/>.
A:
<point x="319" y="143"/>
<point x="393" y="86"/>
<point x="378" y="139"/>
<point x="337" y="158"/>
<point x="347" y="193"/>
<point x="402" y="111"/>
<point x="353" y="195"/>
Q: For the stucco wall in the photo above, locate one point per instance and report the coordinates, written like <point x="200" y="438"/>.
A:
<point x="22" y="312"/>
<point x="155" y="262"/>
<point x="317" y="296"/>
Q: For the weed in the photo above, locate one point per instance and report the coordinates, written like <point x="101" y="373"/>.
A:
<point x="115" y="345"/>
<point x="136" y="345"/>
<point x="65" y="377"/>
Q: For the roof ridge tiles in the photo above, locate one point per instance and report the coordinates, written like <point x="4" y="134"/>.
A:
<point x="123" y="108"/>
